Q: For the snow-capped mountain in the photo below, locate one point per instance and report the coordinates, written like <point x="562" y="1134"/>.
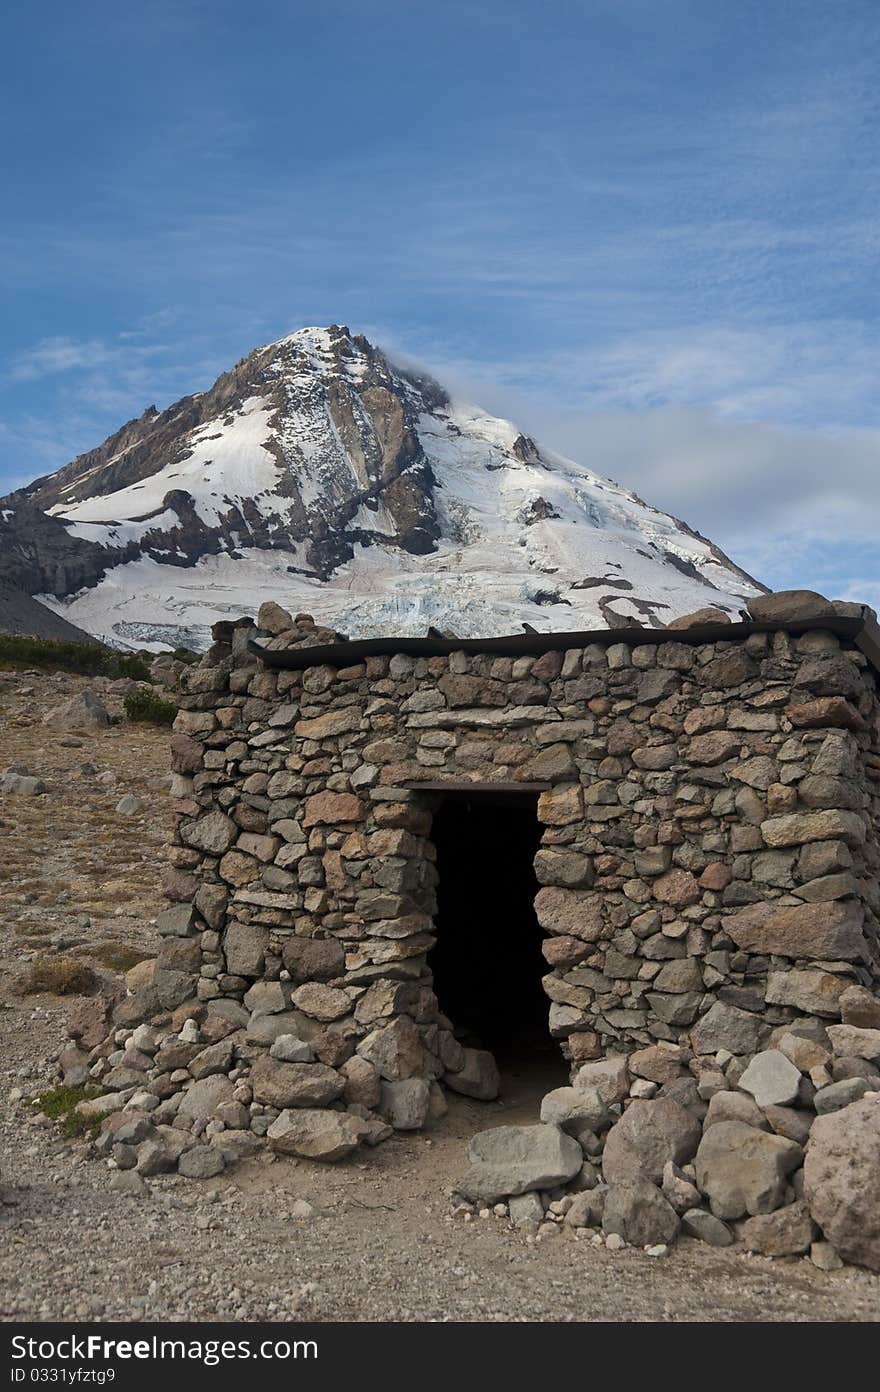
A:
<point x="319" y="474"/>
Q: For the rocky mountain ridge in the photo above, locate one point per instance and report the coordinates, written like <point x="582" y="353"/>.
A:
<point x="318" y="473"/>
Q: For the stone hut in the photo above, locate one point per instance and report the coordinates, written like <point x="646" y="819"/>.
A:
<point x="407" y="852"/>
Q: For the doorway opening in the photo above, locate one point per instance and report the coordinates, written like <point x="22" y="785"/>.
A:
<point x="487" y="962"/>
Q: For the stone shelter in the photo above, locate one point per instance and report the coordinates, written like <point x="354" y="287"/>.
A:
<point x="409" y="855"/>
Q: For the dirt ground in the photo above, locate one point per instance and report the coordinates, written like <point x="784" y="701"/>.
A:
<point x="380" y="1243"/>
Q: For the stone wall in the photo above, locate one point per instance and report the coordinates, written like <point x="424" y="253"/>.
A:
<point x="708" y="861"/>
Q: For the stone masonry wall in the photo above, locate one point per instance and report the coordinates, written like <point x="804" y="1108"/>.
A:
<point x="708" y="861"/>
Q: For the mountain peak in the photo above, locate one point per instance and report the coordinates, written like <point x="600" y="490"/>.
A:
<point x="318" y="473"/>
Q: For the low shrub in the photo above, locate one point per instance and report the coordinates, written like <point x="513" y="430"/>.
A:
<point x="60" y="974"/>
<point x="148" y="707"/>
<point x="55" y="655"/>
<point x="60" y="1103"/>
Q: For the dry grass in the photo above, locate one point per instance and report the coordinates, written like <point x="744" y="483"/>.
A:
<point x="60" y="975"/>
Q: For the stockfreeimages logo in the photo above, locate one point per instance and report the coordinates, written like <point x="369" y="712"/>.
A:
<point x="210" y="1352"/>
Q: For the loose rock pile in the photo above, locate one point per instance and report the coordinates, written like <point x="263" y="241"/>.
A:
<point x="777" y="1151"/>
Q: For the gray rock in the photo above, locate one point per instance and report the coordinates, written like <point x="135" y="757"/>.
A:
<point x="678" y="1189"/>
<point x="283" y="1085"/>
<point x="216" y="1058"/>
<point x="726" y="1027"/>
<point x="265" y="1029"/>
<point x="735" y="1106"/>
<point x="788" y="1122"/>
<point x="266" y="998"/>
<point x="153" y="1157"/>
<point x="587" y="1208"/>
<point x="21" y="785"/>
<point x="840" y="1094"/>
<point x="638" y="1212"/>
<point x="742" y="1170"/>
<point x="706" y="1227"/>
<point x="850" y="1041"/>
<point x="823" y="1255"/>
<point x="526" y="1210"/>
<point x="245" y="947"/>
<point x="477" y="1078"/>
<point x="842" y="1179"/>
<point x="201" y="1162"/>
<point x="316" y="1134"/>
<point x="772" y="1079"/>
<point x="609" y="1076"/>
<point x="129" y="1182"/>
<point x="201" y="1099"/>
<point x="395" y="1050"/>
<point x="576" y="1110"/>
<point x="129" y="805"/>
<point x="514" y="1159"/>
<point x="649" y="1134"/>
<point x="81" y="712"/>
<point x="289" y="1049"/>
<point x="789" y="605"/>
<point x="785" y="1233"/>
<point x="404" y="1103"/>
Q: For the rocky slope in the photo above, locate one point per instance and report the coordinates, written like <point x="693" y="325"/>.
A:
<point x="20" y="614"/>
<point x="319" y="474"/>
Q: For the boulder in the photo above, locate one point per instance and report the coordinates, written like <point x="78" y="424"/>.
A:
<point x="638" y="1212"/>
<point x="317" y="1134"/>
<point x="696" y="1222"/>
<point x="790" y="606"/>
<point x="859" y="1006"/>
<point x="678" y="1189"/>
<point x="314" y="959"/>
<point x="526" y="1210"/>
<point x="785" y="1233"/>
<point x="840" y="1094"/>
<point x="203" y="1097"/>
<point x="814" y="992"/>
<point x="829" y="931"/>
<point x="362" y="1084"/>
<point x="21" y="785"/>
<point x="478" y="1077"/>
<point x="273" y="619"/>
<point x="266" y="998"/>
<point x="281" y="1085"/>
<point x="245" y="946"/>
<point x="735" y="1106"/>
<point x="709" y="615"/>
<point x="214" y="833"/>
<point x="609" y="1076"/>
<point x="727" y="1027"/>
<point x="842" y="1179"/>
<point x="514" y="1159"/>
<point x="648" y="1135"/>
<point x="742" y="1170"/>
<point x="394" y="1050"/>
<point x="81" y="712"/>
<point x="289" y="1049"/>
<point x="404" y="1103"/>
<point x="772" y="1079"/>
<point x="576" y="1110"/>
<point x="850" y="1041"/>
<point x="201" y="1162"/>
<point x="659" y="1063"/>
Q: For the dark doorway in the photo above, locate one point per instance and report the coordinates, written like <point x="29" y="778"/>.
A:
<point x="487" y="962"/>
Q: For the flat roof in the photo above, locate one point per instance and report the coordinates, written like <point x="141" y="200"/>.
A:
<point x="863" y="631"/>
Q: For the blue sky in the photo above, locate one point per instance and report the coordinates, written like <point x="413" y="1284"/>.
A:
<point x="645" y="229"/>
